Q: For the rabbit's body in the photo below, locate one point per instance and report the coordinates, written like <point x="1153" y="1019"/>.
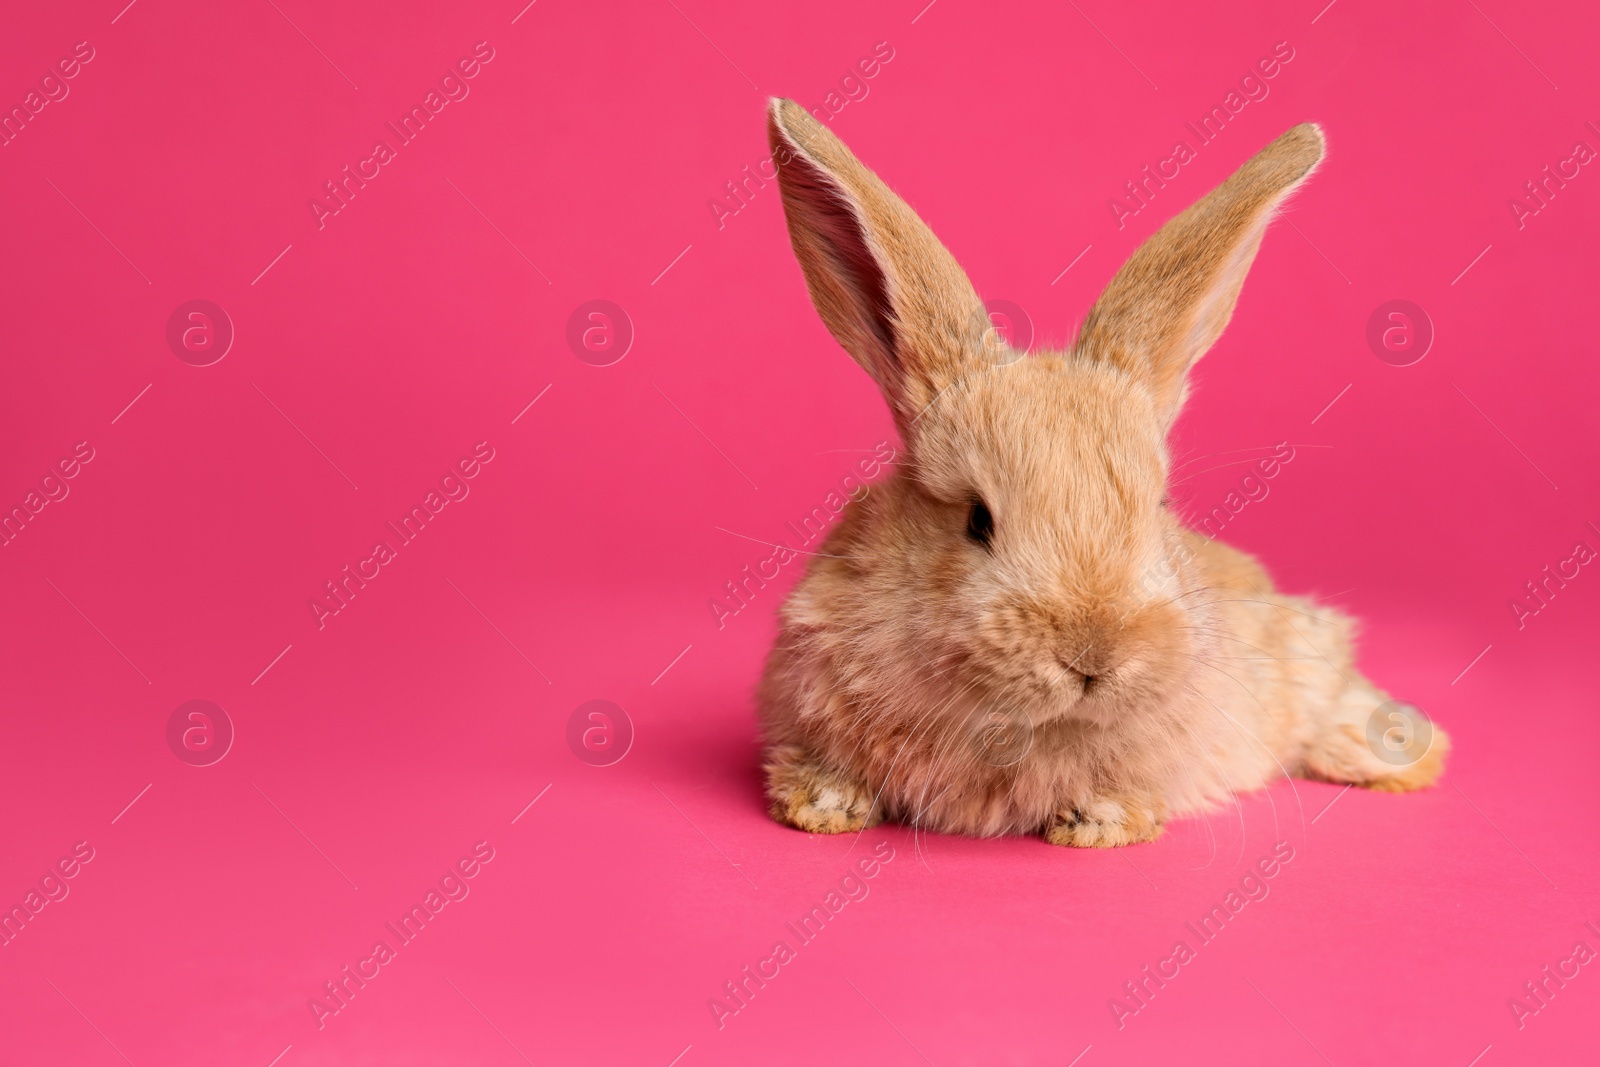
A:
<point x="1011" y="633"/>
<point x="1273" y="692"/>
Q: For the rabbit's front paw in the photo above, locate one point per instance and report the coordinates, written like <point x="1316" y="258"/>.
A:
<point x="814" y="798"/>
<point x="1108" y="822"/>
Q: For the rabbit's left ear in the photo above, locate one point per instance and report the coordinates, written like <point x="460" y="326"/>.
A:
<point x="885" y="287"/>
<point x="1171" y="300"/>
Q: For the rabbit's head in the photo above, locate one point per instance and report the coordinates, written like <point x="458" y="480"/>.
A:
<point x="1024" y="545"/>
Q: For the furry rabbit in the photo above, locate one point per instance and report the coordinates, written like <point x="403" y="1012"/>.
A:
<point x="1012" y="634"/>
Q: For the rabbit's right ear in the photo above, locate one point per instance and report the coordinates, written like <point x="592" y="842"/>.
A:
<point x="885" y="287"/>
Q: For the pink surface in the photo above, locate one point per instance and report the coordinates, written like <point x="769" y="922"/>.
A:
<point x="372" y="353"/>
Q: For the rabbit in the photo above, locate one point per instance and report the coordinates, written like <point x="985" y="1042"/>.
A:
<point x="1013" y="633"/>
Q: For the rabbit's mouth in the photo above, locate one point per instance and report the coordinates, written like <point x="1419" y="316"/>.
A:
<point x="1076" y="685"/>
<point x="1106" y="690"/>
<point x="1041" y="661"/>
<point x="1048" y="694"/>
<point x="1084" y="697"/>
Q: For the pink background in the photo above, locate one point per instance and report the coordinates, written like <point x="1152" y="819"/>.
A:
<point x="424" y="717"/>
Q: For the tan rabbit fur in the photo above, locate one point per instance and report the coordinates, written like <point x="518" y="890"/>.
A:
<point x="1012" y="633"/>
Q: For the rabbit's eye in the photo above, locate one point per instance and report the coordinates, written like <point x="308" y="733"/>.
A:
<point x="980" y="524"/>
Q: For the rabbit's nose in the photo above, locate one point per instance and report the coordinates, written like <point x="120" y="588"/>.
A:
<point x="1094" y="661"/>
<point x="1080" y="664"/>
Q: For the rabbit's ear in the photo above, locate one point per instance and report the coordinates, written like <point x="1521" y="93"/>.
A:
<point x="885" y="287"/>
<point x="1171" y="300"/>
